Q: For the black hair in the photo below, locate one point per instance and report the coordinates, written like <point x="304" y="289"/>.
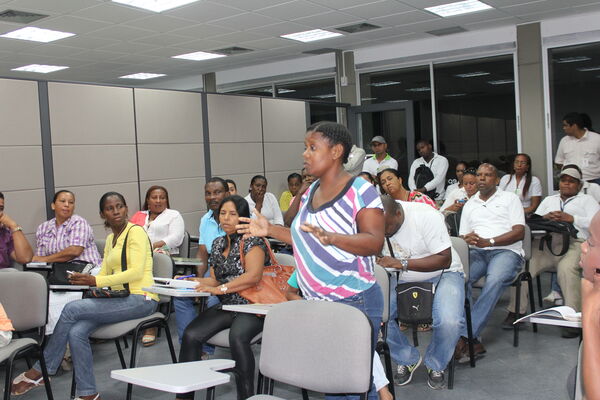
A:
<point x="529" y="173"/>
<point x="256" y="177"/>
<point x="61" y="192"/>
<point x="575" y="118"/>
<point x="470" y="171"/>
<point x="1" y="195"/>
<point x="241" y="205"/>
<point x="463" y="163"/>
<point x="369" y="176"/>
<point x="223" y="182"/>
<point x="425" y="141"/>
<point x="294" y="175"/>
<point x="228" y="181"/>
<point x="587" y="121"/>
<point x="152" y="189"/>
<point x="336" y="134"/>
<point x="105" y="197"/>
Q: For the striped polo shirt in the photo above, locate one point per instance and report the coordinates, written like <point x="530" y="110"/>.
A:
<point x="328" y="272"/>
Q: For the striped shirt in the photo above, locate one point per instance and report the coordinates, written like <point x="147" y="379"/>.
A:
<point x="73" y="232"/>
<point x="328" y="272"/>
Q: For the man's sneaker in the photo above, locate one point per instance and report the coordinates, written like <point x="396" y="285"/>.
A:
<point x="510" y="319"/>
<point x="435" y="379"/>
<point x="405" y="372"/>
<point x="553" y="297"/>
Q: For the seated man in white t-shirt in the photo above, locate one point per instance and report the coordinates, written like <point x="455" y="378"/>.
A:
<point x="493" y="224"/>
<point x="419" y="246"/>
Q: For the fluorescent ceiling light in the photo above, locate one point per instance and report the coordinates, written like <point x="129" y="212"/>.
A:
<point x="458" y="8"/>
<point x="586" y="69"/>
<point x="502" y="82"/>
<point x="42" y="69"/>
<point x="472" y="74"/>
<point x="419" y="89"/>
<point x="565" y="60"/>
<point x="199" y="56"/>
<point x="368" y="98"/>
<point x="324" y="96"/>
<point x="311" y="36"/>
<point x="396" y="101"/>
<point x="37" y="34"/>
<point x="155" y="5"/>
<point x="282" y="91"/>
<point x="142" y="75"/>
<point x="384" y="83"/>
<point x="455" y="95"/>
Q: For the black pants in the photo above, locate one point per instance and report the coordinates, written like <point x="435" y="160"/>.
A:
<point x="243" y="327"/>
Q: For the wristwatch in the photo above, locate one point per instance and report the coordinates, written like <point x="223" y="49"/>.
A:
<point x="223" y="288"/>
<point x="404" y="263"/>
<point x="17" y="229"/>
<point x="492" y="242"/>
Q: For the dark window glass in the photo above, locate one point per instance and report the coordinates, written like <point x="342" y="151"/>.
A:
<point x="574" y="73"/>
<point x="322" y="112"/>
<point x="323" y="90"/>
<point x="399" y="86"/>
<point x="265" y="91"/>
<point x="476" y="116"/>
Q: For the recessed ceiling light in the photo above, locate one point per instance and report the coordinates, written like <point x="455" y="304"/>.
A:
<point x="419" y="89"/>
<point x="155" y="5"/>
<point x="566" y="60"/>
<point x="311" y="36"/>
<point x="384" y="83"/>
<point x="199" y="56"/>
<point x="42" y="69"/>
<point x="142" y="75"/>
<point x="458" y="8"/>
<point x="472" y="74"/>
<point x="502" y="82"/>
<point x="37" y="34"/>
<point x="324" y="96"/>
<point x="455" y="95"/>
<point x="586" y="69"/>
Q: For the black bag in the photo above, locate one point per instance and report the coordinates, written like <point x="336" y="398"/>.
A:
<point x="59" y="274"/>
<point x="453" y="222"/>
<point x="100" y="293"/>
<point x="556" y="230"/>
<point x="423" y="174"/>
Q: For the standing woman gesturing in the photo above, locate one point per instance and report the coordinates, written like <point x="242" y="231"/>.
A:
<point x="338" y="229"/>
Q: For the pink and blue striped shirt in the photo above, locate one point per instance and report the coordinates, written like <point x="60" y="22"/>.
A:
<point x="328" y="272"/>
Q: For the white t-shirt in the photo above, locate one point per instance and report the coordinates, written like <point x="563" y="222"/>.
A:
<point x="581" y="206"/>
<point x="439" y="166"/>
<point x="584" y="152"/>
<point x="422" y="234"/>
<point x="592" y="189"/>
<point x="373" y="166"/>
<point x="168" y="227"/>
<point x="451" y="198"/>
<point x="451" y="188"/>
<point x="270" y="208"/>
<point x="493" y="217"/>
<point x="510" y="185"/>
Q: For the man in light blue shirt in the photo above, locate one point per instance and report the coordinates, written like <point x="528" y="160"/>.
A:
<point x="215" y="190"/>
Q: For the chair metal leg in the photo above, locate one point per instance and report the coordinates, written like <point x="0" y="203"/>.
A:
<point x="517" y="284"/>
<point x="469" y="333"/>
<point x="305" y="394"/>
<point x="8" y="379"/>
<point x="170" y="342"/>
<point x="451" y="366"/>
<point x="388" y="368"/>
<point x="73" y="385"/>
<point x="136" y="334"/>
<point x="530" y="286"/>
<point x="259" y="383"/>
<point x="539" y="290"/>
<point x="125" y="342"/>
<point x="45" y="375"/>
<point x="120" y="353"/>
<point x="271" y="386"/>
<point x="210" y="393"/>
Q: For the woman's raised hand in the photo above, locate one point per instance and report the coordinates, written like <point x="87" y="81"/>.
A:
<point x="258" y="226"/>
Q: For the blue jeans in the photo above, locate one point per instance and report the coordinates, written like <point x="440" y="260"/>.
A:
<point x="500" y="267"/>
<point x="370" y="302"/>
<point x="448" y="322"/>
<point x="186" y="311"/>
<point x="79" y="318"/>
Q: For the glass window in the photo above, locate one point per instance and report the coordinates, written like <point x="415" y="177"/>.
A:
<point x="476" y="115"/>
<point x="399" y="86"/>
<point x="574" y="73"/>
<point x="265" y="91"/>
<point x="322" y="89"/>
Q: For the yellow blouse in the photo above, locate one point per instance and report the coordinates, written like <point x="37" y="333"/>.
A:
<point x="139" y="262"/>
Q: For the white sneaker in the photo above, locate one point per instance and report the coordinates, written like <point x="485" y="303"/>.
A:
<point x="553" y="297"/>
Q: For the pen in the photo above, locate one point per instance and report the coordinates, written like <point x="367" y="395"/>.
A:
<point x="187" y="276"/>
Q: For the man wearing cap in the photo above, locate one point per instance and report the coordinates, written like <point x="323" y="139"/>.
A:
<point x="381" y="160"/>
<point x="569" y="205"/>
<point x="580" y="146"/>
<point x="438" y="165"/>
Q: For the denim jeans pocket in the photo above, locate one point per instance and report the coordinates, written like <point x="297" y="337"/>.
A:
<point x="358" y="300"/>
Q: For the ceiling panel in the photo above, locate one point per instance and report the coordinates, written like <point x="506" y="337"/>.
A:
<point x="281" y="28"/>
<point x="66" y="23"/>
<point x="377" y="9"/>
<point x="86" y="42"/>
<point x="329" y="19"/>
<point x="52" y="6"/>
<point x="112" y="12"/>
<point x="161" y="23"/>
<point x="410" y="17"/>
<point x="120" y="31"/>
<point x="165" y="39"/>
<point x="246" y="21"/>
<point x="203" y="11"/>
<point x="293" y="9"/>
<point x="338" y="4"/>
<point x="202" y="30"/>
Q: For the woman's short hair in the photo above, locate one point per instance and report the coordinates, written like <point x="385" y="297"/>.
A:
<point x="228" y="181"/>
<point x="152" y="189"/>
<point x="257" y="177"/>
<point x="336" y="134"/>
<point x="241" y="206"/>
<point x="105" y="197"/>
<point x="61" y="192"/>
<point x="390" y="170"/>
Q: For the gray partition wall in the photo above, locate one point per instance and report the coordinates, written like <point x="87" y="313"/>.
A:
<point x="22" y="178"/>
<point x="171" y="151"/>
<point x="284" y="126"/>
<point x="93" y="145"/>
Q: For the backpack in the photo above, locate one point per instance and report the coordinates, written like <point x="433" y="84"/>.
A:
<point x="423" y="174"/>
<point x="556" y="230"/>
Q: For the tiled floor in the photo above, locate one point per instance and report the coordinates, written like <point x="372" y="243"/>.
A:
<point x="537" y="369"/>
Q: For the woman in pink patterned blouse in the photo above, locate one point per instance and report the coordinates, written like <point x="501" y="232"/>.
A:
<point x="391" y="183"/>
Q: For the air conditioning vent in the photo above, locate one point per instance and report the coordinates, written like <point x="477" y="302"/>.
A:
<point x="20" y="17"/>
<point x="447" y="31"/>
<point x="232" y="51"/>
<point x="362" y="27"/>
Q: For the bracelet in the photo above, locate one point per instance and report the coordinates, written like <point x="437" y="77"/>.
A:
<point x="17" y="229"/>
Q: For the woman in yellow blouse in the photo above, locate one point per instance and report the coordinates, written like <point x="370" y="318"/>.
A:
<point x="81" y="317"/>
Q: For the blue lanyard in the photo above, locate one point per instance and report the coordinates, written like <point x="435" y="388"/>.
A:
<point x="563" y="204"/>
